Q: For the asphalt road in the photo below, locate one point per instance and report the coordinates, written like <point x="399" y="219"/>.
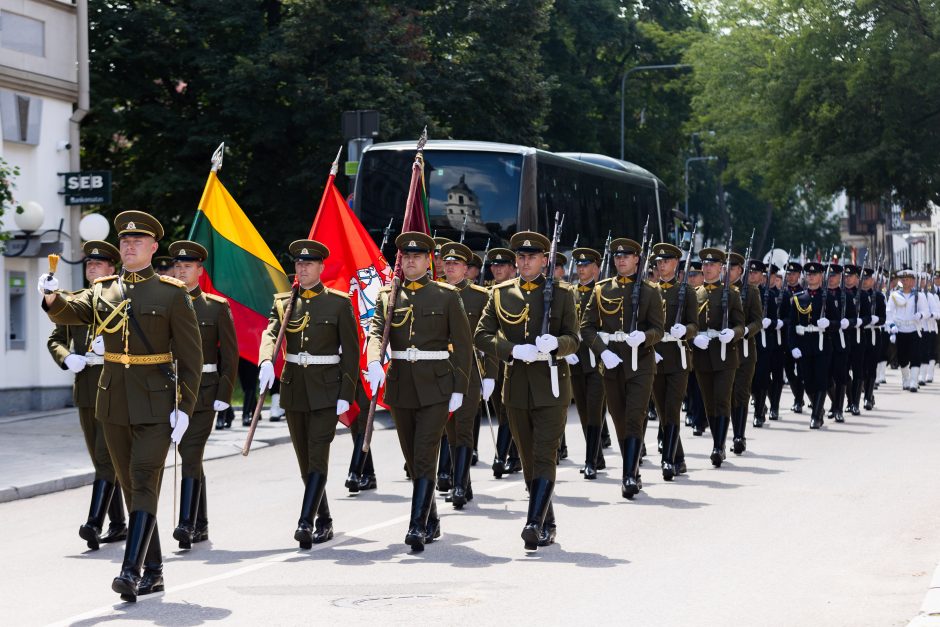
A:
<point x="830" y="527"/>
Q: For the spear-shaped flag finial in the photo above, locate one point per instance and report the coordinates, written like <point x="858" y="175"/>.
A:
<point x="423" y="139"/>
<point x="335" y="167"/>
<point x="217" y="157"/>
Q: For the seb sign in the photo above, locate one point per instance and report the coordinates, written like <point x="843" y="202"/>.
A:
<point x="92" y="187"/>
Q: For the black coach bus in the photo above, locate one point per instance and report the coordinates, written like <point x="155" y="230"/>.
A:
<point x="498" y="189"/>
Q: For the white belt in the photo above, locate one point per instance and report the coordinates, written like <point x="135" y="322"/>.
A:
<point x="306" y="359"/>
<point x="668" y="337"/>
<point x="413" y="354"/>
<point x="710" y="334"/>
<point x="93" y="359"/>
<point x="539" y="357"/>
<point x="210" y="367"/>
<point x="619" y="336"/>
<point x="907" y="326"/>
<point x="810" y="328"/>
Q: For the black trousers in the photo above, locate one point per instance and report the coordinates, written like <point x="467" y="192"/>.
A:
<point x="908" y="349"/>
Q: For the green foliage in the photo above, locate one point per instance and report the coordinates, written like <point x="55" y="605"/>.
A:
<point x="7" y="201"/>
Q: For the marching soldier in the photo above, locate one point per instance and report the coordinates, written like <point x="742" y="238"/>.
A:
<point x="605" y="326"/>
<point x="474" y="268"/>
<point x="775" y="341"/>
<point x="794" y="286"/>
<point x="425" y="380"/>
<point x="716" y="356"/>
<point x="148" y="326"/>
<point x="673" y="355"/>
<point x="765" y="340"/>
<point x="905" y="311"/>
<point x="537" y="385"/>
<point x="811" y="312"/>
<point x="361" y="466"/>
<point x="587" y="384"/>
<point x="502" y="263"/>
<point x="928" y="356"/>
<point x="872" y="335"/>
<point x="438" y="262"/>
<point x="695" y="406"/>
<point x="839" y="365"/>
<point x="753" y="323"/>
<point x="318" y="383"/>
<point x="163" y="265"/>
<point x="460" y="427"/>
<point x="78" y="349"/>
<point x="220" y="352"/>
<point x="858" y="315"/>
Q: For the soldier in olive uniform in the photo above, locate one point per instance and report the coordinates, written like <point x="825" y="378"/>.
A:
<point x="163" y="265"/>
<point x="605" y="328"/>
<point x="673" y="354"/>
<point x="148" y="326"/>
<point x="716" y="357"/>
<point x="474" y="269"/>
<point x="587" y="383"/>
<point x="459" y="428"/>
<point x="766" y="344"/>
<point x="744" y="375"/>
<point x="220" y="352"/>
<point x="77" y="349"/>
<point x="425" y="380"/>
<point x="321" y="368"/>
<point x="537" y="385"/>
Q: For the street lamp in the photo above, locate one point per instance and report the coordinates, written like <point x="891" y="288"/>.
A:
<point x="623" y="86"/>
<point x="687" y="162"/>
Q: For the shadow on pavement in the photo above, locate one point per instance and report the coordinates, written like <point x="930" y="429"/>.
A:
<point x="558" y="555"/>
<point x="223" y="556"/>
<point x="158" y="612"/>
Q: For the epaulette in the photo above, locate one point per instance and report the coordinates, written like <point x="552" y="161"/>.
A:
<point x="102" y="279"/>
<point x="505" y="283"/>
<point x="172" y="281"/>
<point x="445" y="286"/>
<point x="338" y="292"/>
<point x="603" y="281"/>
<point x="735" y="288"/>
<point x="216" y="298"/>
<point x="478" y="288"/>
<point x="282" y="295"/>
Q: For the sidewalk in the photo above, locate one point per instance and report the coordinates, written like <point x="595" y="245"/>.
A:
<point x="45" y="451"/>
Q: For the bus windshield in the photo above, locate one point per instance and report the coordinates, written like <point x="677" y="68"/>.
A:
<point x="480" y="187"/>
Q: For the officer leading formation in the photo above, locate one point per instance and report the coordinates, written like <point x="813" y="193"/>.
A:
<point x="714" y="332"/>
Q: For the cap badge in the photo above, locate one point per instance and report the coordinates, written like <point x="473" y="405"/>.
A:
<point x="182" y="252"/>
<point x="412" y="243"/>
<point x="620" y="247"/>
<point x="94" y="251"/>
<point x="527" y="243"/>
<point x="131" y="225"/>
<point x="499" y="256"/>
<point x="304" y="251"/>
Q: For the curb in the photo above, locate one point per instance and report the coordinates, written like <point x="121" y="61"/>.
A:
<point x="929" y="615"/>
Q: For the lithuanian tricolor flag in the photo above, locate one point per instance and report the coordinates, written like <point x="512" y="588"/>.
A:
<point x="240" y="265"/>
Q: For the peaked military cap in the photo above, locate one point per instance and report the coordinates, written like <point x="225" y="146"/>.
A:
<point x="905" y="272"/>
<point x="456" y="251"/>
<point x="793" y="266"/>
<point x="735" y="259"/>
<point x="756" y="265"/>
<point x="774" y="268"/>
<point x="475" y="261"/>
<point x="835" y="268"/>
<point x="440" y="241"/>
<point x="695" y="266"/>
<point x="162" y="263"/>
<point x="561" y="259"/>
<point x="500" y="255"/>
<point x="868" y="272"/>
<point x="186" y="250"/>
<point x="813" y="267"/>
<point x="664" y="250"/>
<point x="712" y="254"/>
<point x="624" y="245"/>
<point x="584" y="256"/>
<point x="308" y="250"/>
<point x="415" y="242"/>
<point x="529" y="242"/>
<point x="98" y="249"/>
<point x="138" y="223"/>
<point x="852" y="269"/>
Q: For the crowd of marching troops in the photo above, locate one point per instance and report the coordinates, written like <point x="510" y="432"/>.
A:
<point x="710" y="335"/>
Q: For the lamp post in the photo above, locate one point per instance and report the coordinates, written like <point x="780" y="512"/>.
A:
<point x="687" y="162"/>
<point x="623" y="87"/>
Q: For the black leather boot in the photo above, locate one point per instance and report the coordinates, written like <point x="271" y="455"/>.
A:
<point x="562" y="450"/>
<point x="189" y="501"/>
<point x="840" y="402"/>
<point x="739" y="418"/>
<point x="869" y="393"/>
<point x="679" y="455"/>
<point x="513" y="462"/>
<point x="461" y="476"/>
<point x="503" y="437"/>
<point x="760" y="408"/>
<point x="776" y="389"/>
<point x="445" y="469"/>
<point x="719" y="435"/>
<point x="549" y="529"/>
<point x="117" y="529"/>
<point x="605" y="434"/>
<point x="669" y="451"/>
<point x="139" y="530"/>
<point x="201" y="528"/>
<point x="630" y="485"/>
<point x="816" y="418"/>
<point x="356" y="463"/>
<point x="540" y="497"/>
<point x="313" y="493"/>
<point x="219" y="420"/>
<point x="323" y="530"/>
<point x="592" y="437"/>
<point x="229" y="416"/>
<point x="432" y="530"/>
<point x="101" y="495"/>
<point x="477" y="422"/>
<point x="422" y="494"/>
<point x="855" y="397"/>
<point x="152" y="579"/>
<point x="367" y="479"/>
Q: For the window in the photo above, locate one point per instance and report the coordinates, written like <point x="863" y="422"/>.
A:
<point x="23" y="34"/>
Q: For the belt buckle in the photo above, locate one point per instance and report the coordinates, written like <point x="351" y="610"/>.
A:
<point x="304" y="358"/>
<point x="411" y="354"/>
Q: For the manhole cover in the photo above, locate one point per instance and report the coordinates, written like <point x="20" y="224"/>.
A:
<point x="394" y="600"/>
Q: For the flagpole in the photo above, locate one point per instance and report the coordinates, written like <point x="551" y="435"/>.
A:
<point x="417" y="171"/>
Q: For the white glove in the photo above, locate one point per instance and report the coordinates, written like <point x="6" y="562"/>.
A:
<point x="919" y="315"/>
<point x="546" y="343"/>
<point x="657" y="356"/>
<point x="97" y="346"/>
<point x="892" y="330"/>
<point x="572" y="359"/>
<point x="701" y="341"/>
<point x="677" y="331"/>
<point x="488" y="386"/>
<point x="219" y="405"/>
<point x="726" y="336"/>
<point x="75" y="363"/>
<point x="375" y="376"/>
<point x="844" y="324"/>
<point x="858" y="323"/>
<point x="875" y="319"/>
<point x="766" y="322"/>
<point x="797" y="353"/>
<point x="893" y="338"/>
<point x="779" y="324"/>
<point x="456" y="400"/>
<point x="610" y="359"/>
<point x="525" y="352"/>
<point x="179" y="421"/>
<point x="341" y="407"/>
<point x="635" y="338"/>
<point x="47" y="283"/>
<point x="265" y="376"/>
<point x="823" y="323"/>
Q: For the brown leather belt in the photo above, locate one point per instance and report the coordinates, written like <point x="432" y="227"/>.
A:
<point x="138" y="360"/>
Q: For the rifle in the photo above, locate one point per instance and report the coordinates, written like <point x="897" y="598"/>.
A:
<point x="277" y="350"/>
<point x="842" y="298"/>
<point x="637" y="288"/>
<point x="726" y="293"/>
<point x="548" y="294"/>
<point x="858" y="296"/>
<point x="570" y="267"/>
<point x="463" y="229"/>
<point x="483" y="269"/>
<point x="744" y="282"/>
<point x="605" y="260"/>
<point x="683" y="289"/>
<point x="916" y="293"/>
<point x="763" y="332"/>
<point x="388" y="229"/>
